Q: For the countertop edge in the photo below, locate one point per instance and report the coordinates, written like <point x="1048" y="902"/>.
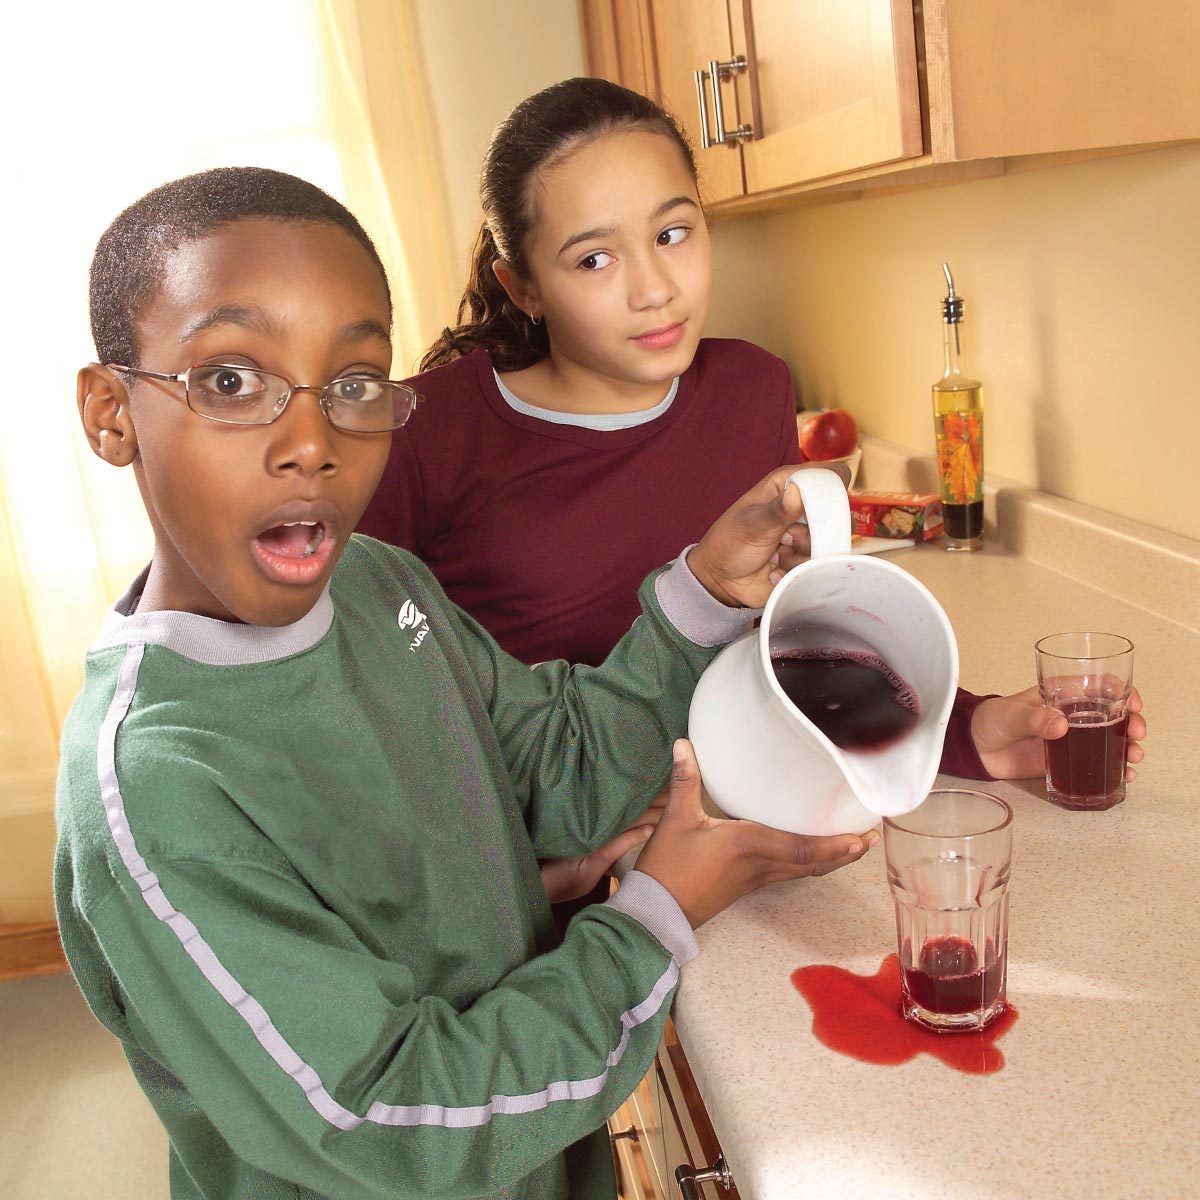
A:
<point x="1131" y="561"/>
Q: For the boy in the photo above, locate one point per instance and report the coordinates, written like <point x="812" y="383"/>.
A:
<point x="302" y="797"/>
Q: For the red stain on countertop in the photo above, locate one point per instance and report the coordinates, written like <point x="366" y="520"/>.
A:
<point x="859" y="1016"/>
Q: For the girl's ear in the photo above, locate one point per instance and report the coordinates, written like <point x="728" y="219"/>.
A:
<point x="520" y="291"/>
<point x="104" y="411"/>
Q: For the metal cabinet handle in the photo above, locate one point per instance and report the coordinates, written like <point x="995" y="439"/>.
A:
<point x="727" y="137"/>
<point x="689" y="1179"/>
<point x="705" y="140"/>
<point x="715" y="72"/>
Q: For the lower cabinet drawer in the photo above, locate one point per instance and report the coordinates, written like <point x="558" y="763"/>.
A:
<point x="688" y="1136"/>
<point x="664" y="1126"/>
<point x="637" y="1146"/>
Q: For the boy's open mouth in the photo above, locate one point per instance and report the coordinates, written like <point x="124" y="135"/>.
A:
<point x="294" y="551"/>
<point x="294" y="539"/>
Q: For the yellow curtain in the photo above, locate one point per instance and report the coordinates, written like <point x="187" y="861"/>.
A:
<point x="383" y="127"/>
<point x="118" y="99"/>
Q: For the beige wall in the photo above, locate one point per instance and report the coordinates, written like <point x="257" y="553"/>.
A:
<point x="25" y="890"/>
<point x="1082" y="291"/>
<point x="481" y="59"/>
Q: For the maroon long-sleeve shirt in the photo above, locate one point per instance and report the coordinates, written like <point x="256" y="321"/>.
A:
<point x="544" y="531"/>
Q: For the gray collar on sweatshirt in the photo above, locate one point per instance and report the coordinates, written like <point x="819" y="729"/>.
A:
<point x="699" y="616"/>
<point x="205" y="640"/>
<point x="602" y="421"/>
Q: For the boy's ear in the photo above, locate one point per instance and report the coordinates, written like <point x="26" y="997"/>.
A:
<point x="104" y="410"/>
<point x="519" y="290"/>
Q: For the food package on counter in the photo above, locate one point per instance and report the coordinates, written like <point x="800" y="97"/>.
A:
<point x="896" y="514"/>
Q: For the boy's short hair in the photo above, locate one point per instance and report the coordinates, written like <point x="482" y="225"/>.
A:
<point x="130" y="259"/>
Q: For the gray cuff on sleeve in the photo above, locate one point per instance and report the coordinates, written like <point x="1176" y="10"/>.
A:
<point x="643" y="898"/>
<point x="697" y="614"/>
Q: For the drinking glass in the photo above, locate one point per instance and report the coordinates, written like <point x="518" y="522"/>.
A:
<point x="1088" y="678"/>
<point x="948" y="864"/>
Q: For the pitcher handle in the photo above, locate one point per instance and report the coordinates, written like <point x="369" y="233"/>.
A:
<point x="826" y="510"/>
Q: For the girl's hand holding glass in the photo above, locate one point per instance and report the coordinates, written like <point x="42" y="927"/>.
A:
<point x="1010" y="733"/>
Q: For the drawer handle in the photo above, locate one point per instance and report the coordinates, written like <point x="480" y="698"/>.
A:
<point x="689" y="1179"/>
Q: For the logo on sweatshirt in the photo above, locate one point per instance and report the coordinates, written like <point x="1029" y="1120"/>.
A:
<point x="411" y="617"/>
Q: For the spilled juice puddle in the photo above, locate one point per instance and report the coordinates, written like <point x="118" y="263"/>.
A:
<point x="859" y="1016"/>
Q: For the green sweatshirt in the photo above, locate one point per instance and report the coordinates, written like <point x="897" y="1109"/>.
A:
<point x="297" y="877"/>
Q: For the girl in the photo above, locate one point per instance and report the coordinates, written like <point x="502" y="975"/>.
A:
<point x="580" y="429"/>
<point x="597" y="426"/>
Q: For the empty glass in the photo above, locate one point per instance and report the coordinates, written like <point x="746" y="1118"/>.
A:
<point x="948" y="865"/>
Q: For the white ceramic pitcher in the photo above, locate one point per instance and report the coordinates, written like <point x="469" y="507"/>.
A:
<point x="760" y="757"/>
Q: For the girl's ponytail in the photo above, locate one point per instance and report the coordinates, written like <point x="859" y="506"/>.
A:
<point x="540" y="131"/>
<point x="488" y="320"/>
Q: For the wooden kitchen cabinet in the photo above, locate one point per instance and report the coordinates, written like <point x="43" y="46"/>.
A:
<point x="1017" y="77"/>
<point x="618" y="43"/>
<point x="868" y="93"/>
<point x="785" y="116"/>
<point x="849" y="101"/>
<point x="663" y="1126"/>
<point x="691" y="33"/>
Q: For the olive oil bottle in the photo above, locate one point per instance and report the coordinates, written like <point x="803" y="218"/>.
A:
<point x="958" y="428"/>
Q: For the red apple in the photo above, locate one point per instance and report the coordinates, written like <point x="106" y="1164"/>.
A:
<point x="828" y="435"/>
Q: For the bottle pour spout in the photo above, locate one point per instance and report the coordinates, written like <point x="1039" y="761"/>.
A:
<point x="952" y="305"/>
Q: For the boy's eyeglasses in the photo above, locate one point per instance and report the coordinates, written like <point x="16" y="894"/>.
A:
<point x="241" y="395"/>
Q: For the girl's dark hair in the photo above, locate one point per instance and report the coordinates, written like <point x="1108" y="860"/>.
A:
<point x="131" y="257"/>
<point x="539" y="132"/>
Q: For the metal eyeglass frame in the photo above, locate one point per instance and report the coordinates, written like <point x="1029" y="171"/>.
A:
<point x="326" y="400"/>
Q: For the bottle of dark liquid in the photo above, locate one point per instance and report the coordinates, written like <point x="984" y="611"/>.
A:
<point x="958" y="426"/>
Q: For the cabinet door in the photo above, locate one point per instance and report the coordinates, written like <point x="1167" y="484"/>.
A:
<point x="647" y="1118"/>
<point x="1026" y="77"/>
<point x="618" y="43"/>
<point x="598" y="27"/>
<point x="687" y="1133"/>
<point x="636" y="1178"/>
<point x="832" y="87"/>
<point x="687" y="35"/>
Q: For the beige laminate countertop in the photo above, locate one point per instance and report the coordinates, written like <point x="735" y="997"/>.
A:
<point x="1100" y="1091"/>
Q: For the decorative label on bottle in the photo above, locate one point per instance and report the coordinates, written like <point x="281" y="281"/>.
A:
<point x="960" y="455"/>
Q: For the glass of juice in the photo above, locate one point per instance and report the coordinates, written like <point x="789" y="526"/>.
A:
<point x="1088" y="678"/>
<point x="948" y="863"/>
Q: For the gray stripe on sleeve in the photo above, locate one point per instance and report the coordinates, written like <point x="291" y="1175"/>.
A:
<point x="643" y="898"/>
<point x="697" y="614"/>
<point x="256" y="1017"/>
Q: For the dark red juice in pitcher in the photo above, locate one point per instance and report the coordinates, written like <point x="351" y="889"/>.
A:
<point x="855" y="699"/>
<point x="1090" y="760"/>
